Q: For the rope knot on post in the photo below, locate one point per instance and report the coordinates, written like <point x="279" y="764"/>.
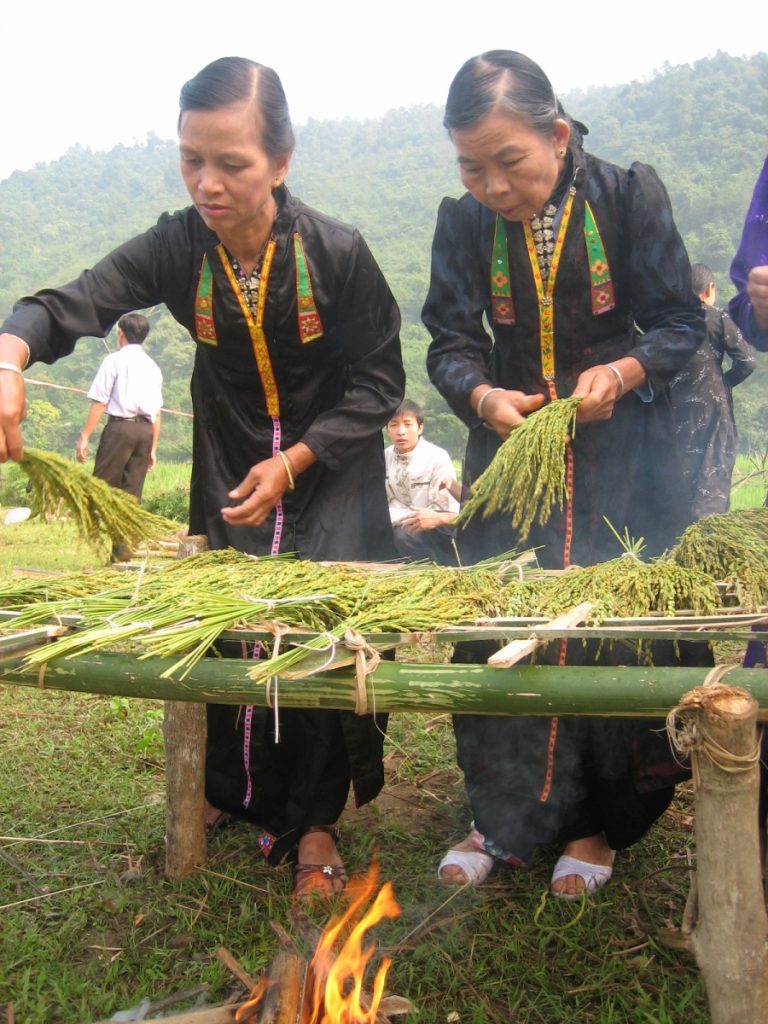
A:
<point x="367" y="659"/>
<point x="691" y="739"/>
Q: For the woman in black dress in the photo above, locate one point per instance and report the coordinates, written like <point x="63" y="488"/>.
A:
<point x="577" y="268"/>
<point x="297" y="370"/>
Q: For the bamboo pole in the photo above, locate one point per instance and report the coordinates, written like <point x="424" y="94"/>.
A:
<point x="630" y="691"/>
<point x="184" y="731"/>
<point x="730" y="926"/>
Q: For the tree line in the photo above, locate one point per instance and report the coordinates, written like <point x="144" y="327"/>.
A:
<point x="702" y="126"/>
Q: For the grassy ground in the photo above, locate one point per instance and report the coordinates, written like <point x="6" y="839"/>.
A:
<point x="89" y="924"/>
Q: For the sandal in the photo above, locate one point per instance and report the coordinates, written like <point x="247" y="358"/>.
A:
<point x="310" y="879"/>
<point x="595" y="876"/>
<point x="474" y="864"/>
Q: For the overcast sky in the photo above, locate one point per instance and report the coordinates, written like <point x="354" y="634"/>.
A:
<point x="98" y="72"/>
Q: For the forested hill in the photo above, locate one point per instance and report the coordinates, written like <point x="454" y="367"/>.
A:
<point x="704" y="127"/>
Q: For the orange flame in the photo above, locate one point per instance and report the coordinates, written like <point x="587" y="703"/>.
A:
<point x="253" y="1000"/>
<point x="337" y="996"/>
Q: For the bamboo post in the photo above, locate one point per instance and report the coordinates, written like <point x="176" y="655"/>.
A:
<point x="184" y="732"/>
<point x="728" y="922"/>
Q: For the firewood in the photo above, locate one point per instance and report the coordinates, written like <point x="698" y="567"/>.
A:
<point x="236" y="968"/>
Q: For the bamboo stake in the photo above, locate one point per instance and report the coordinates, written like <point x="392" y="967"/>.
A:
<point x="630" y="691"/>
<point x="186" y="848"/>
<point x="184" y="732"/>
<point x="730" y="932"/>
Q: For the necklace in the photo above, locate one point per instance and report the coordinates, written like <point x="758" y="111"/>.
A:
<point x="542" y="229"/>
<point x="250" y="282"/>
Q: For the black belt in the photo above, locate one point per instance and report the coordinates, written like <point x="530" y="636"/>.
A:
<point x="131" y="419"/>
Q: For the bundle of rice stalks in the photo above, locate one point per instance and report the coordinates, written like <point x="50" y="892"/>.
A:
<point x="183" y="609"/>
<point x="623" y="587"/>
<point x="180" y="611"/>
<point x="421" y="597"/>
<point x="27" y="592"/>
<point x="103" y="514"/>
<point x="527" y="474"/>
<point x="733" y="548"/>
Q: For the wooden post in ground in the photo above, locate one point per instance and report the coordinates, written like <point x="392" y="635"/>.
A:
<point x="184" y="731"/>
<point x="727" y="921"/>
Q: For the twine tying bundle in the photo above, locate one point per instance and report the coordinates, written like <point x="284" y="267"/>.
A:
<point x="367" y="659"/>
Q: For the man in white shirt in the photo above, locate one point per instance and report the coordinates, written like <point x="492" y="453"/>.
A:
<point x="419" y="475"/>
<point x="128" y="387"/>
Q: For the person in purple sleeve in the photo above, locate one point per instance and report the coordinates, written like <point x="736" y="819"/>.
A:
<point x="749" y="309"/>
<point x="749" y="269"/>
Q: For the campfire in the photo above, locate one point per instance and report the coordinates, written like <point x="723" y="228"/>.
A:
<point x="332" y="988"/>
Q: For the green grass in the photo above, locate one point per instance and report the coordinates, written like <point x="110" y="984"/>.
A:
<point x="89" y="770"/>
<point x="750" y="482"/>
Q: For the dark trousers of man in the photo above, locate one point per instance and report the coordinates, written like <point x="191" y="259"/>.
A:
<point x="122" y="458"/>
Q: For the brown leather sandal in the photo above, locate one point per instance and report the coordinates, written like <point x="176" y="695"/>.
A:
<point x="320" y="879"/>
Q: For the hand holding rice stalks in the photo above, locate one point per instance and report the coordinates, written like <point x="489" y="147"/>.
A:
<point x="527" y="474"/>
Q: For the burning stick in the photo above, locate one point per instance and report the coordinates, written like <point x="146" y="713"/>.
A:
<point x="329" y="989"/>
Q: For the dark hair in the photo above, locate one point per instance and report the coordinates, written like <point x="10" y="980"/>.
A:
<point x="409" y="408"/>
<point x="701" y="278"/>
<point x="502" y="80"/>
<point x="135" y="327"/>
<point x="230" y="80"/>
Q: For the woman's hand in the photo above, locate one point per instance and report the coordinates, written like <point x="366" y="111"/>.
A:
<point x="757" y="290"/>
<point x="504" y="410"/>
<point x="13" y="403"/>
<point x="265" y="485"/>
<point x="602" y="386"/>
<point x="258" y="493"/>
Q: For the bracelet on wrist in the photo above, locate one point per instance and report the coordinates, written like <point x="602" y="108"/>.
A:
<point x="289" y="470"/>
<point x="12" y="367"/>
<point x="481" y="401"/>
<point x="617" y="374"/>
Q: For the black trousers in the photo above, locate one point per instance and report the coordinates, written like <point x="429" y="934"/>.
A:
<point x="122" y="458"/>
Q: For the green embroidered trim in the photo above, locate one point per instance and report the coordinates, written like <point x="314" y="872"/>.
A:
<point x="204" y="325"/>
<point x="603" y="298"/>
<point x="502" y="306"/>
<point x="310" y="327"/>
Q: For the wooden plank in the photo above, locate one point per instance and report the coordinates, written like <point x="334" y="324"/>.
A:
<point x="519" y="649"/>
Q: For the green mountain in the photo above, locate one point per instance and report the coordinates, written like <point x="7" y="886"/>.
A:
<point x="702" y="126"/>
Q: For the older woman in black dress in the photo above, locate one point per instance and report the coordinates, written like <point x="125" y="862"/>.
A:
<point x="577" y="268"/>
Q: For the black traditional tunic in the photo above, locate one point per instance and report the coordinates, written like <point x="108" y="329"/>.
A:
<point x="621" y="286"/>
<point x="703" y="411"/>
<point x="324" y="367"/>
